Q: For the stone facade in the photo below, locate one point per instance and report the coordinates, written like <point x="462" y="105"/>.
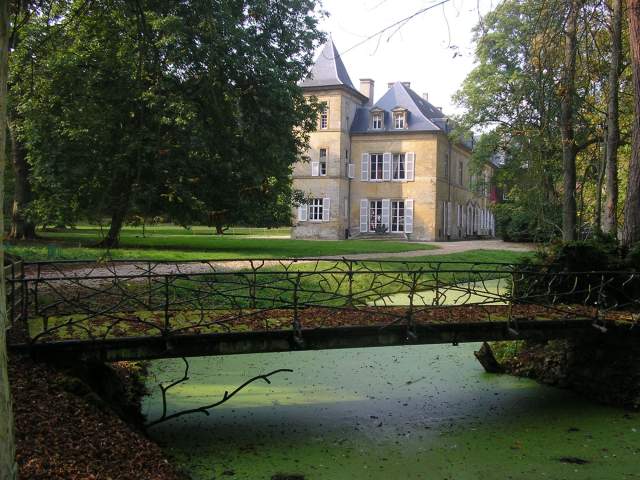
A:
<point x="385" y="169"/>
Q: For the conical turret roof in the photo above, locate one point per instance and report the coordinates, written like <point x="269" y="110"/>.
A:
<point x="328" y="70"/>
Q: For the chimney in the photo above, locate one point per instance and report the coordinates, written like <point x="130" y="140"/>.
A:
<point x="366" y="88"/>
<point x="425" y="95"/>
<point x="407" y="84"/>
<point x="390" y="84"/>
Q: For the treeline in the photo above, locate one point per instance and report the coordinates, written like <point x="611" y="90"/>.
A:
<point x="554" y="92"/>
<point x="189" y="110"/>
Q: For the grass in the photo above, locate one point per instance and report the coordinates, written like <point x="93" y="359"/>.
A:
<point x="167" y="248"/>
<point x="173" y="230"/>
<point x="178" y="244"/>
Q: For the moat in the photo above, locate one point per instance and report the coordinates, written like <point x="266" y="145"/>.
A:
<point x="418" y="412"/>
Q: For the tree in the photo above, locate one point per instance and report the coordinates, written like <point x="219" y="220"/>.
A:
<point x="242" y="172"/>
<point x="8" y="468"/>
<point x="613" y="124"/>
<point x="566" y="125"/>
<point x="519" y="96"/>
<point x="194" y="104"/>
<point x="631" y="230"/>
<point x="22" y="227"/>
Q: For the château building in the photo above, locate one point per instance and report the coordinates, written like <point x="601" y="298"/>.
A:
<point x="386" y="168"/>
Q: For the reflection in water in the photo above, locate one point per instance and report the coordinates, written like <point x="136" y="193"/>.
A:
<point x="419" y="412"/>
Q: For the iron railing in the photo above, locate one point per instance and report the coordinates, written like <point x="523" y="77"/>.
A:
<point x="78" y="300"/>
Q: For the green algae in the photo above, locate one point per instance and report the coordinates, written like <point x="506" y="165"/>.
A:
<point x="419" y="412"/>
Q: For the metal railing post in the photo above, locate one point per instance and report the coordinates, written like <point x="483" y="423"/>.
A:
<point x="297" y="328"/>
<point x="166" y="304"/>
<point x="350" y="277"/>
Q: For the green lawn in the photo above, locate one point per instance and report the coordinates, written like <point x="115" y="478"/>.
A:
<point x="169" y="229"/>
<point x="78" y="245"/>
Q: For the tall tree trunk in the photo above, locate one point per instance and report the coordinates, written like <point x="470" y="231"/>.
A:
<point x="602" y="162"/>
<point x="566" y="126"/>
<point x="613" y="128"/>
<point x="118" y="215"/>
<point x="631" y="230"/>
<point x="21" y="227"/>
<point x="8" y="468"/>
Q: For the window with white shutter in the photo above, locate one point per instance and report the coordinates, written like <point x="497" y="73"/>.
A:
<point x="302" y="213"/>
<point x="315" y="169"/>
<point x="364" y="215"/>
<point x="408" y="215"/>
<point x="386" y="166"/>
<point x="326" y="209"/>
<point x="364" y="168"/>
<point x="386" y="207"/>
<point x="350" y="170"/>
<point x="410" y="159"/>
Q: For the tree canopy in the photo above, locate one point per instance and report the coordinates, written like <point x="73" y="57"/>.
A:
<point x="191" y="109"/>
<point x="514" y="97"/>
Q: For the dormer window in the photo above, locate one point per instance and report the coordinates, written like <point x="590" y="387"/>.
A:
<point x="376" y="121"/>
<point x="399" y="119"/>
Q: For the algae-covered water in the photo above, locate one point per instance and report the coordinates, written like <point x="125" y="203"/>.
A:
<point x="416" y="412"/>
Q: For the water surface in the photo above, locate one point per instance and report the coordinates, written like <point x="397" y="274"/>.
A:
<point x="417" y="412"/>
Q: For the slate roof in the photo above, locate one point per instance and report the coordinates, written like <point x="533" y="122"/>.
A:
<point x="328" y="70"/>
<point x="422" y="115"/>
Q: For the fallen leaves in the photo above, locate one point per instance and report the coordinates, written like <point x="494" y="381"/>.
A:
<point x="62" y="436"/>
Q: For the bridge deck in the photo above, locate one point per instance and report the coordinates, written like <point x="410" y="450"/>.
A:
<point x="324" y="328"/>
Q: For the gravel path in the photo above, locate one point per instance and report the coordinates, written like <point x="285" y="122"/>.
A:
<point x="142" y="268"/>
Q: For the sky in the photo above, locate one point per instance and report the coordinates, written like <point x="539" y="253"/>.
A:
<point x="434" y="51"/>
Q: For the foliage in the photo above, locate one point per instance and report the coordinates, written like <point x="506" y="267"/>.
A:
<point x="189" y="109"/>
<point x="516" y="222"/>
<point x="600" y="254"/>
<point x="513" y="98"/>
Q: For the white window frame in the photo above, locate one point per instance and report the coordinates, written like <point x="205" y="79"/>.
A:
<point x="397" y="216"/>
<point x="323" y="164"/>
<point x="399" y="120"/>
<point x="378" y="160"/>
<point x="377" y="120"/>
<point x="324" y="117"/>
<point x="376" y="214"/>
<point x="399" y="159"/>
<point x="315" y="208"/>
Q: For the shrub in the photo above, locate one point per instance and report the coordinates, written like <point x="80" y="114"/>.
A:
<point x="517" y="223"/>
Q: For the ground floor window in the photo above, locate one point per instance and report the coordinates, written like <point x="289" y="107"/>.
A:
<point x="315" y="209"/>
<point x="375" y="214"/>
<point x="397" y="216"/>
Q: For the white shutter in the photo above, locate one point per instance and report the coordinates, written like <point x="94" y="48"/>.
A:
<point x="410" y="159"/>
<point x="302" y="213"/>
<point x="364" y="215"/>
<point x="350" y="170"/>
<point x="408" y="215"/>
<point x="386" y="210"/>
<point x="463" y="210"/>
<point x="364" y="168"/>
<point x="449" y="219"/>
<point x="326" y="209"/>
<point x="315" y="169"/>
<point x="386" y="166"/>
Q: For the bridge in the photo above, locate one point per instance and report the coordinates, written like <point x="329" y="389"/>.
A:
<point x="123" y="310"/>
